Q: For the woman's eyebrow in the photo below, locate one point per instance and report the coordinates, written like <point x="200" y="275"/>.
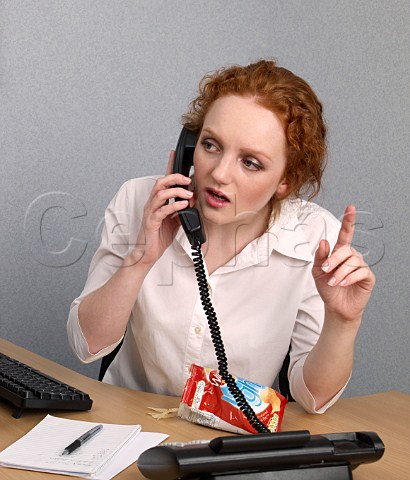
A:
<point x="209" y="131"/>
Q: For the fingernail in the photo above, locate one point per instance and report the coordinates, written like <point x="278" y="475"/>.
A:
<point x="332" y="281"/>
<point x="325" y="266"/>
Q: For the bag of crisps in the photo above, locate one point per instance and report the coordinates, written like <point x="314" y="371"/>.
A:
<point x="206" y="400"/>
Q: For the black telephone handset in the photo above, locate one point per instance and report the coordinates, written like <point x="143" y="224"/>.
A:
<point x="183" y="161"/>
<point x="191" y="223"/>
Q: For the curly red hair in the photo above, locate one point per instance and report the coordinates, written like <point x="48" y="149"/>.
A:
<point x="287" y="96"/>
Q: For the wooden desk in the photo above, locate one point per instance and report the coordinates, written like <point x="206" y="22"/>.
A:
<point x="387" y="414"/>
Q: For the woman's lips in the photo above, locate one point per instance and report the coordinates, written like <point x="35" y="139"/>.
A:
<point x="216" y="198"/>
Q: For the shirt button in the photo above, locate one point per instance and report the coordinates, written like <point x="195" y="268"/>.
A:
<point x="197" y="330"/>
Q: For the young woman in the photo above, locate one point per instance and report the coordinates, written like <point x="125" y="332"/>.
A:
<point x="281" y="271"/>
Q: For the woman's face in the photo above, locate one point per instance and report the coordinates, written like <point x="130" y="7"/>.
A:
<point x="239" y="160"/>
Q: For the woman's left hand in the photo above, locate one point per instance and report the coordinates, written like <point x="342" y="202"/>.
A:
<point x="343" y="279"/>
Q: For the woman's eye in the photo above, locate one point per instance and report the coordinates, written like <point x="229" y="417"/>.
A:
<point x="209" y="146"/>
<point x="251" y="164"/>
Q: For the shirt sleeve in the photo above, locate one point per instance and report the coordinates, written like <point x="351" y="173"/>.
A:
<point x="306" y="332"/>
<point x="77" y="341"/>
<point x="309" y="322"/>
<point x="114" y="246"/>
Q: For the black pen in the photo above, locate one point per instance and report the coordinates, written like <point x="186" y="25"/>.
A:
<point x="81" y="440"/>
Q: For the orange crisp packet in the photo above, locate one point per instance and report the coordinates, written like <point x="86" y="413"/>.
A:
<point x="206" y="400"/>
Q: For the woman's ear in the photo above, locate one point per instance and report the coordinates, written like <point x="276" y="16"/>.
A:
<point x="283" y="189"/>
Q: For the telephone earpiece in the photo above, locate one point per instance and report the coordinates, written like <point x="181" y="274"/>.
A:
<point x="183" y="161"/>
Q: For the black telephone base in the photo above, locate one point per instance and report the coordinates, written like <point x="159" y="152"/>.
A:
<point x="327" y="472"/>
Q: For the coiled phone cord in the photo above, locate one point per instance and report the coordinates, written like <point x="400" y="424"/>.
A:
<point x="218" y="344"/>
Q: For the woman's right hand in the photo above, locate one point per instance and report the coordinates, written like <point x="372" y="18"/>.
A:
<point x="160" y="220"/>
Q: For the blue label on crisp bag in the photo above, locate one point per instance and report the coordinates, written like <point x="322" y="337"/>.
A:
<point x="250" y="390"/>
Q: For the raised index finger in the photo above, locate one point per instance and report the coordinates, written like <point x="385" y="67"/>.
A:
<point x="347" y="229"/>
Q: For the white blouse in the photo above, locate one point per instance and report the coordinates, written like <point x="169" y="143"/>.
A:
<point x="265" y="300"/>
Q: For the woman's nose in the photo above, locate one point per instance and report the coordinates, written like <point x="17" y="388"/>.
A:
<point x="223" y="169"/>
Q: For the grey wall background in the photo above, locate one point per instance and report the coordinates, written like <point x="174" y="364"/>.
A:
<point x="91" y="93"/>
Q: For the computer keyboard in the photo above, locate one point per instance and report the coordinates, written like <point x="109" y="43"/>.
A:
<point x="27" y="387"/>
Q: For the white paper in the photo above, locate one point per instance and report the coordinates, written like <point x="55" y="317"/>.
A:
<point x="130" y="454"/>
<point x="102" y="457"/>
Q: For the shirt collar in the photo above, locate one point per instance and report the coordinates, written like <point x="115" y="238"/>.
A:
<point x="286" y="236"/>
<point x="182" y="239"/>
